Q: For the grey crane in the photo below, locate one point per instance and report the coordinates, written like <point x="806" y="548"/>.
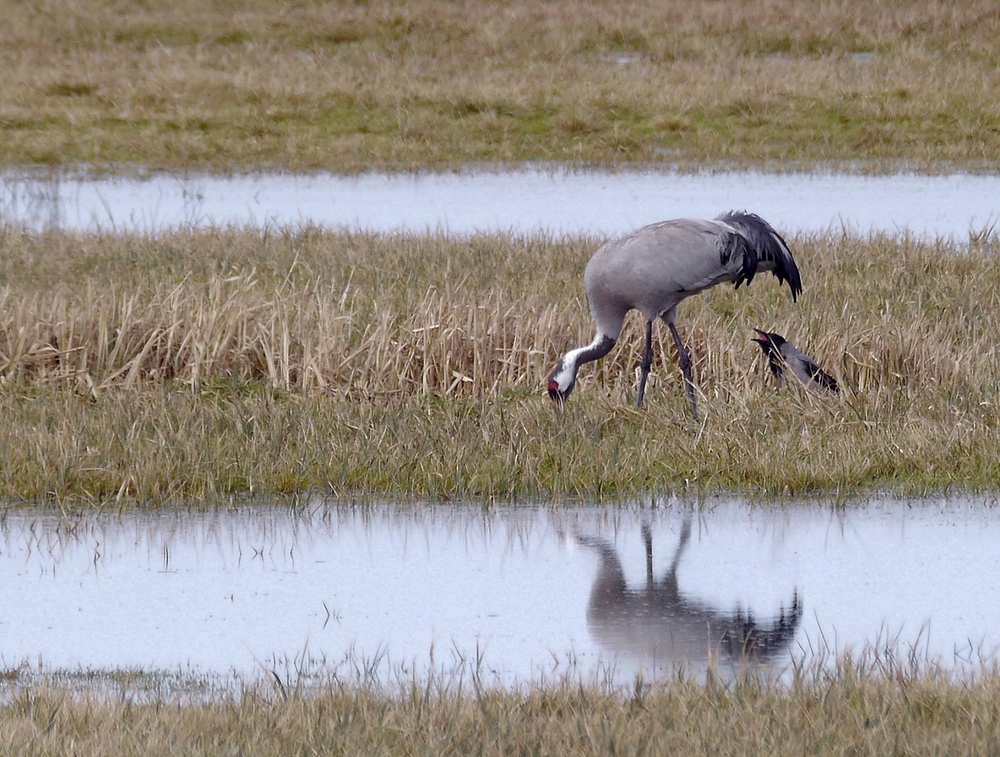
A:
<point x="655" y="268"/>
<point x="783" y="354"/>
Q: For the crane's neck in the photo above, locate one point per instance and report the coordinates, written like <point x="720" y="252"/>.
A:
<point x="563" y="376"/>
<point x="597" y="349"/>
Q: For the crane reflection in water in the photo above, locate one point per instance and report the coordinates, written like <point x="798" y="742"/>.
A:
<point x="660" y="625"/>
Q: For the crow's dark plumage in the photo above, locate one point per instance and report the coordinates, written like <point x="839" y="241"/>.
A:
<point x="782" y="355"/>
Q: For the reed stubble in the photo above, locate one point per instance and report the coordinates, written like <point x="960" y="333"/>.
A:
<point x="202" y="364"/>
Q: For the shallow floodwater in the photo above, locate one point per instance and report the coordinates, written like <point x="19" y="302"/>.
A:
<point x="527" y="200"/>
<point x="518" y="594"/>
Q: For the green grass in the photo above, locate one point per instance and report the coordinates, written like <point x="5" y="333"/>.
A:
<point x="382" y="85"/>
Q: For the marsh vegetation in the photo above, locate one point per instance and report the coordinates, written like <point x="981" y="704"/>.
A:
<point x="210" y="363"/>
<point x="872" y="707"/>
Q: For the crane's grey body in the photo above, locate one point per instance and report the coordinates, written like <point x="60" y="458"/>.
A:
<point x="657" y="621"/>
<point x="656" y="268"/>
<point x="782" y="355"/>
<point x="652" y="271"/>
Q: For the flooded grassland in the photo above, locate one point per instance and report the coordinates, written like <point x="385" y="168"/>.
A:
<point x="178" y="368"/>
<point x="190" y="365"/>
<point x="181" y="365"/>
<point x="506" y="595"/>
<point x="529" y="199"/>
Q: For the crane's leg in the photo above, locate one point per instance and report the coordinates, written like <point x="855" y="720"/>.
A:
<point x="685" y="360"/>
<point x="670" y="579"/>
<point x="646" y="364"/>
<point x="647" y="539"/>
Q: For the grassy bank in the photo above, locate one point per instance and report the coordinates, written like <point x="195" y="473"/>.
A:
<point x="208" y="363"/>
<point x="849" y="711"/>
<point x="227" y="85"/>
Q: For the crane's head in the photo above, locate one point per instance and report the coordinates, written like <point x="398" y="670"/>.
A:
<point x="561" y="382"/>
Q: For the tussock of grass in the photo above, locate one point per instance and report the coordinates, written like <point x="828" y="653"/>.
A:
<point x="206" y="363"/>
<point x="380" y="84"/>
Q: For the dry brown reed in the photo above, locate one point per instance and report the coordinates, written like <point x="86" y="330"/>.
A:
<point x="312" y="339"/>
<point x="366" y="316"/>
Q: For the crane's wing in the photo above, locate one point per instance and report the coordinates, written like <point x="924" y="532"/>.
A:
<point x="762" y="248"/>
